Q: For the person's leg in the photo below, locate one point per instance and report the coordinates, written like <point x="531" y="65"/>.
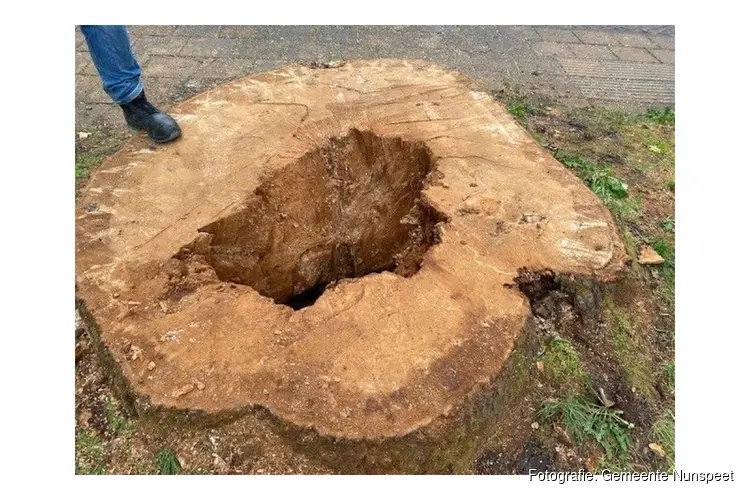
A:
<point x="121" y="78"/>
<point x="119" y="71"/>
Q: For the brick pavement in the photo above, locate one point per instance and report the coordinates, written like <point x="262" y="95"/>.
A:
<point x="627" y="67"/>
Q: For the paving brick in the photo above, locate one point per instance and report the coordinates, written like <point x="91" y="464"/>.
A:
<point x="263" y="65"/>
<point x="283" y="49"/>
<point x="153" y="30"/>
<point x="526" y="33"/>
<point x="598" y="52"/>
<point x="664" y="55"/>
<point x="236" y="32"/>
<point x="595" y="37"/>
<point x="228" y="69"/>
<point x="158" y="45"/>
<point x="663" y="41"/>
<point x="566" y="62"/>
<point x="536" y="66"/>
<point x="203" y="31"/>
<point x="80" y="41"/>
<point x="634" y="40"/>
<point x="633" y="54"/>
<point x="194" y="86"/>
<point x="215" y="47"/>
<point x="619" y="70"/>
<point x="160" y="90"/>
<point x="84" y="66"/>
<point x="107" y="115"/>
<point x="554" y="49"/>
<point x="557" y="35"/>
<point x="626" y="90"/>
<point x="87" y="88"/>
<point x="172" y="67"/>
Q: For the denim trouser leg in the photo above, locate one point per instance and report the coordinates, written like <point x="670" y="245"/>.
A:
<point x="117" y="67"/>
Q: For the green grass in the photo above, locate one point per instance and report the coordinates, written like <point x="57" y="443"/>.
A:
<point x="659" y="146"/>
<point x="561" y="363"/>
<point x="598" y="122"/>
<point x="663" y="434"/>
<point x="599" y="178"/>
<point x="519" y="109"/>
<point x="116" y="421"/>
<point x="632" y="356"/>
<point x="86" y="162"/>
<point x="669" y="373"/>
<point x="667" y="224"/>
<point x="91" y="151"/>
<point x="660" y="116"/>
<point x="666" y="270"/>
<point x="517" y="104"/>
<point x="167" y="463"/>
<point x="89" y="454"/>
<point x="670" y="185"/>
<point x="624" y="209"/>
<point x="586" y="420"/>
<point x="666" y="250"/>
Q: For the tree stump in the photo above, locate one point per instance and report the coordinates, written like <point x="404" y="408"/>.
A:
<point x="337" y="247"/>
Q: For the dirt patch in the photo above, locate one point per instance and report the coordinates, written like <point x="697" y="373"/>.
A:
<point x="532" y="456"/>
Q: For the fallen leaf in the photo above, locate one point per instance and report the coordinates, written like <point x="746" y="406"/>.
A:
<point x="83" y="135"/>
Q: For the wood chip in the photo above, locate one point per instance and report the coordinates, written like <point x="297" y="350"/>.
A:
<point x="649" y="257"/>
<point x="185" y="389"/>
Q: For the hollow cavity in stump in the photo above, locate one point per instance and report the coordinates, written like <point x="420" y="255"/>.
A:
<point x="346" y="209"/>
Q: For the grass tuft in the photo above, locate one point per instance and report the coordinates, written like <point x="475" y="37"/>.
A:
<point x="167" y="463"/>
<point x="599" y="178"/>
<point x="669" y="372"/>
<point x="89" y="454"/>
<point x="663" y="433"/>
<point x="661" y="116"/>
<point x="587" y="420"/>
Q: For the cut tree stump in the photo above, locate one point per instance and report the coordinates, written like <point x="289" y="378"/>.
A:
<point x="338" y="248"/>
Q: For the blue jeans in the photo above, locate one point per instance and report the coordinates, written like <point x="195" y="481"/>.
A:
<point x="119" y="71"/>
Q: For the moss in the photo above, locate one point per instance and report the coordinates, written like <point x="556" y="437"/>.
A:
<point x="562" y="365"/>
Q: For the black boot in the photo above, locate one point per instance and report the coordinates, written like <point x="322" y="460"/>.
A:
<point x="141" y="114"/>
